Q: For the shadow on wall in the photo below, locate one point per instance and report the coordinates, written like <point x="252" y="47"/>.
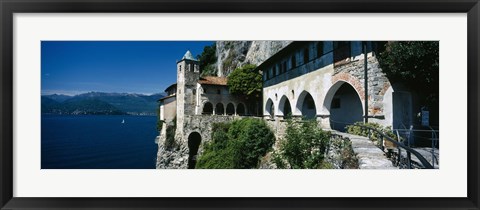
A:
<point x="345" y="108"/>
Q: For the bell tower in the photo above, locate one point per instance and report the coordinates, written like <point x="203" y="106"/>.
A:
<point x="188" y="73"/>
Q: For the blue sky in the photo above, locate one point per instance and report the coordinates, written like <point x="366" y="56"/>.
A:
<point x="73" y="67"/>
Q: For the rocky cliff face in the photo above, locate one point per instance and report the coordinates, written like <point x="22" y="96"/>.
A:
<point x="233" y="54"/>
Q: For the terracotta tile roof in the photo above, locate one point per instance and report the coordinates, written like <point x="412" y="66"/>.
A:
<point x="213" y="80"/>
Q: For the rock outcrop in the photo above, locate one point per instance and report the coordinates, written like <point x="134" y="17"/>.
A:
<point x="233" y="54"/>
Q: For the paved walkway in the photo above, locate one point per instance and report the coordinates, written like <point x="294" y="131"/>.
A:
<point x="426" y="153"/>
<point x="369" y="156"/>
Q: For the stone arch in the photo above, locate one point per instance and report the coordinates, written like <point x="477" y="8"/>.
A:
<point x="344" y="106"/>
<point x="351" y="80"/>
<point x="327" y="101"/>
<point x="207" y="108"/>
<point x="270" y="108"/>
<point x="306" y="105"/>
<point x="230" y="109"/>
<point x="219" y="109"/>
<point x="194" y="140"/>
<point x="285" y="107"/>
<point x="240" y="109"/>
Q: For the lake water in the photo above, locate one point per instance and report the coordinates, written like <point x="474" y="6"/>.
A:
<point x="98" y="142"/>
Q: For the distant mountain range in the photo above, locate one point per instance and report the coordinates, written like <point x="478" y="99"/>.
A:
<point x="100" y="103"/>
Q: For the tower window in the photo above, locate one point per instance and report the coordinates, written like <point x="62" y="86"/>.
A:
<point x="218" y="91"/>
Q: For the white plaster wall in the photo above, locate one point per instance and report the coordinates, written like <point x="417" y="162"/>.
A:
<point x="317" y="83"/>
<point x="388" y="107"/>
<point x="169" y="109"/>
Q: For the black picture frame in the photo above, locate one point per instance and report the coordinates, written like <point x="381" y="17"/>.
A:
<point x="9" y="7"/>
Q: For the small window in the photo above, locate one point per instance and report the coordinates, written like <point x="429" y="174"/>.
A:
<point x="218" y="91"/>
<point x="319" y="49"/>
<point x="335" y="103"/>
<point x="180" y="68"/>
<point x="192" y="67"/>
<point x="294" y="62"/>
<point x="274" y="71"/>
<point x="306" y="55"/>
<point x="284" y="66"/>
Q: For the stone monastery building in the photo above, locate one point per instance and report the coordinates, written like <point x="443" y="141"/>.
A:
<point x="322" y="80"/>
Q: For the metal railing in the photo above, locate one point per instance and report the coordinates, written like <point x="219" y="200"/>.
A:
<point x="399" y="145"/>
<point x="412" y="135"/>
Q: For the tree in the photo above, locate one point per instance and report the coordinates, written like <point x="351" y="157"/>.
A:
<point x="245" y="80"/>
<point x="207" y="60"/>
<point x="415" y="64"/>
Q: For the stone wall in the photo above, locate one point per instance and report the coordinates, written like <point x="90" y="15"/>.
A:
<point x="177" y="158"/>
<point x="354" y="74"/>
<point x="168" y="109"/>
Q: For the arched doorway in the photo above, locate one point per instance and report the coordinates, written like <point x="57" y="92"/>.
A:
<point x="285" y="108"/>
<point x="270" y="108"/>
<point x="230" y="109"/>
<point x="207" y="109"/>
<point x="219" y="110"/>
<point x="306" y="106"/>
<point x="345" y="107"/>
<point x="194" y="140"/>
<point x="240" y="109"/>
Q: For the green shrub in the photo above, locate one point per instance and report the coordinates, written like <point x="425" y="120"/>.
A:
<point x="215" y="158"/>
<point x="170" y="143"/>
<point x="304" y="146"/>
<point x="251" y="139"/>
<point x="374" y="136"/>
<point x="219" y="135"/>
<point x="344" y="148"/>
<point x="239" y="144"/>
